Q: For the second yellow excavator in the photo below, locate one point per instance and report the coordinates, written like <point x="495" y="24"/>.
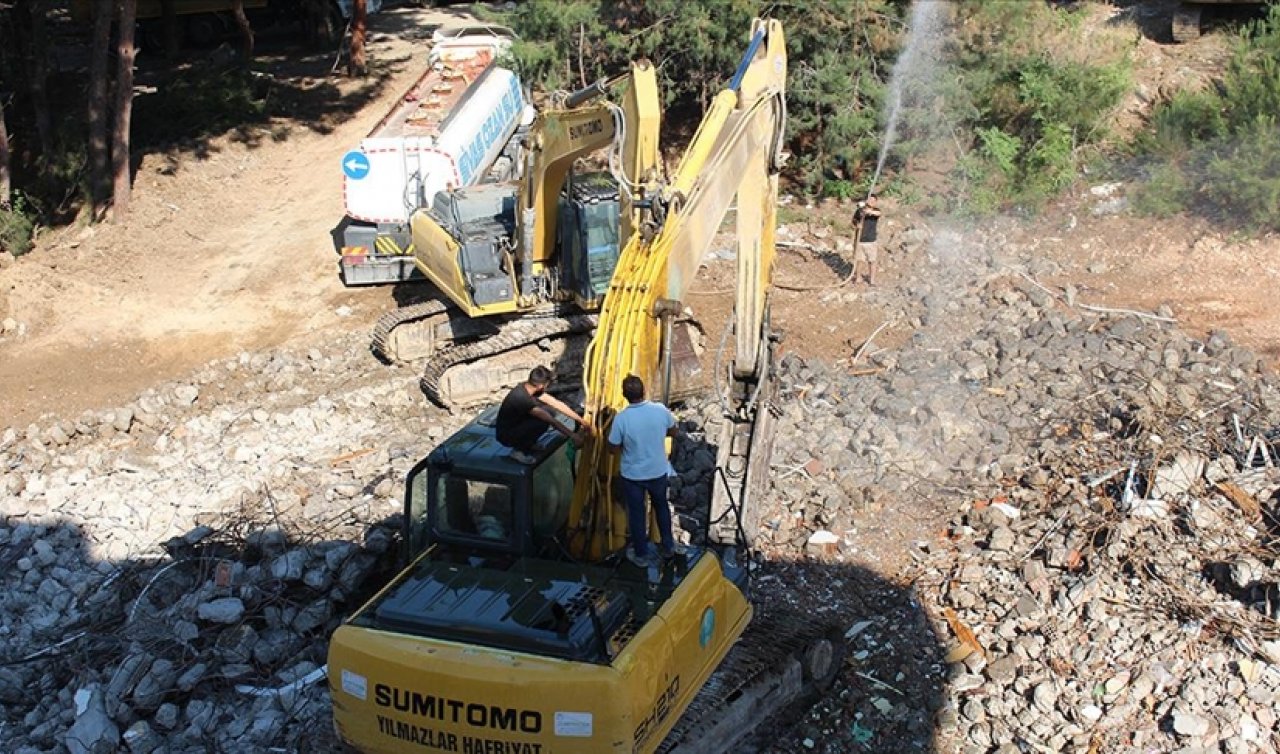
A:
<point x="517" y="626"/>
<point x="522" y="266"/>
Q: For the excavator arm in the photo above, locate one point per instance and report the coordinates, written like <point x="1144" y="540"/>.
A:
<point x="569" y="129"/>
<point x="735" y="153"/>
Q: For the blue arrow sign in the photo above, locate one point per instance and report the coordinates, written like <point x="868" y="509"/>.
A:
<point x="355" y="165"/>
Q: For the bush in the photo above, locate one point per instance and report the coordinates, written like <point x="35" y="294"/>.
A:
<point x="16" y="231"/>
<point x="1040" y="98"/>
<point x="1164" y="193"/>
<point x="1221" y="147"/>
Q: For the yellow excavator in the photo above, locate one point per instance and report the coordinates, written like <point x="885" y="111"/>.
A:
<point x="522" y="266"/>
<point x="517" y="626"/>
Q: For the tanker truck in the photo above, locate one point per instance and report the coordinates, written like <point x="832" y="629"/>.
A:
<point x="459" y="125"/>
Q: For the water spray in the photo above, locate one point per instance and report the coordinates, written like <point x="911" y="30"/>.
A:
<point x="923" y="37"/>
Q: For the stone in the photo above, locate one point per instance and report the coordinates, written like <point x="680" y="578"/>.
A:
<point x="1002" y="540"/>
<point x="1003" y="670"/>
<point x="1045" y="697"/>
<point x="289" y="567"/>
<point x="313" y="616"/>
<point x="150" y="691"/>
<point x="93" y="732"/>
<point x="1187" y="724"/>
<point x="192" y="676"/>
<point x="822" y="542"/>
<point x="141" y="739"/>
<point x="122" y="419"/>
<point x="186" y="395"/>
<point x="1178" y="477"/>
<point x="222" y="610"/>
<point x="167" y="716"/>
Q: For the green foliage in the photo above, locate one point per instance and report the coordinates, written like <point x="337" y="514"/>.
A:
<point x="1165" y="192"/>
<point x="1244" y="181"/>
<point x="1219" y="150"/>
<point x="1189" y="118"/>
<point x="16" y="227"/>
<point x="1040" y="100"/>
<point x="840" y="189"/>
<point x="839" y="53"/>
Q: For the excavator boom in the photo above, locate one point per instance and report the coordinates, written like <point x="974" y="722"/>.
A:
<point x="735" y="153"/>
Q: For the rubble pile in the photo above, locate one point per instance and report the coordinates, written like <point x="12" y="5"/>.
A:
<point x="1090" y="497"/>
<point x="1107" y="577"/>
<point x="172" y="568"/>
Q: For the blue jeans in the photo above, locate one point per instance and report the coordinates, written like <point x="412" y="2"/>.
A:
<point x="633" y="492"/>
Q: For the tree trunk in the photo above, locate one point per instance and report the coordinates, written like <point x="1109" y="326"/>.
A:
<point x="125" y="51"/>
<point x="169" y="27"/>
<point x="246" y="31"/>
<point x="5" y="198"/>
<point x="39" y="72"/>
<point x="359" y="19"/>
<point x="99" y="156"/>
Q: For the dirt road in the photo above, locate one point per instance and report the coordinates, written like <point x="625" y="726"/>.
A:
<point x="228" y="249"/>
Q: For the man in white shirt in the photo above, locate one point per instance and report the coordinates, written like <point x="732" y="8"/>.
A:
<point x="639" y="432"/>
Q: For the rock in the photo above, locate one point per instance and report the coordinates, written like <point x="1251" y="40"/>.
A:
<point x="822" y="542"/>
<point x="192" y="676"/>
<point x="1187" y="724"/>
<point x="150" y="691"/>
<point x="1003" y="670"/>
<point x="8" y="326"/>
<point x="141" y="739"/>
<point x="1002" y="540"/>
<point x="1045" y="697"/>
<point x="167" y="716"/>
<point x="1178" y="477"/>
<point x="222" y="610"/>
<point x="313" y="616"/>
<point x="92" y="732"/>
<point x="122" y="419"/>
<point x="186" y="395"/>
<point x="289" y="567"/>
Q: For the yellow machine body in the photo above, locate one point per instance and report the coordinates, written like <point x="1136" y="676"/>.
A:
<point x="394" y="692"/>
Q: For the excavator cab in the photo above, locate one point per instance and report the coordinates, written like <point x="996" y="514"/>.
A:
<point x="588" y="237"/>
<point x="469" y="493"/>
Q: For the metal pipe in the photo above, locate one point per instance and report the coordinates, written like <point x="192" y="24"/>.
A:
<point x="591" y="91"/>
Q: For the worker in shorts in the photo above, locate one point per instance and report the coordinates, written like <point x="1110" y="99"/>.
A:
<point x="866" y="249"/>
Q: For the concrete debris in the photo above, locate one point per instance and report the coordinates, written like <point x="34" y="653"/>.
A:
<point x="1092" y="516"/>
<point x="204" y="568"/>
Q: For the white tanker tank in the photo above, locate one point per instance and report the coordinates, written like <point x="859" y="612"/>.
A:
<point x="453" y="128"/>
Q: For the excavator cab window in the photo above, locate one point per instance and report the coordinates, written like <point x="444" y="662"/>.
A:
<point x="474" y="509"/>
<point x="417" y="533"/>
<point x="552" y="493"/>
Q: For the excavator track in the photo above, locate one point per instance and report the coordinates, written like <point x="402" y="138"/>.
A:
<point x="779" y="661"/>
<point x="383" y="342"/>
<point x="526" y="331"/>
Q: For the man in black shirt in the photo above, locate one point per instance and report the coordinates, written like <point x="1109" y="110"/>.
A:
<point x="526" y="413"/>
<point x="867" y="249"/>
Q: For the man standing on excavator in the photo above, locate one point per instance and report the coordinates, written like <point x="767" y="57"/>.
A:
<point x="526" y="413"/>
<point x="639" y="433"/>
